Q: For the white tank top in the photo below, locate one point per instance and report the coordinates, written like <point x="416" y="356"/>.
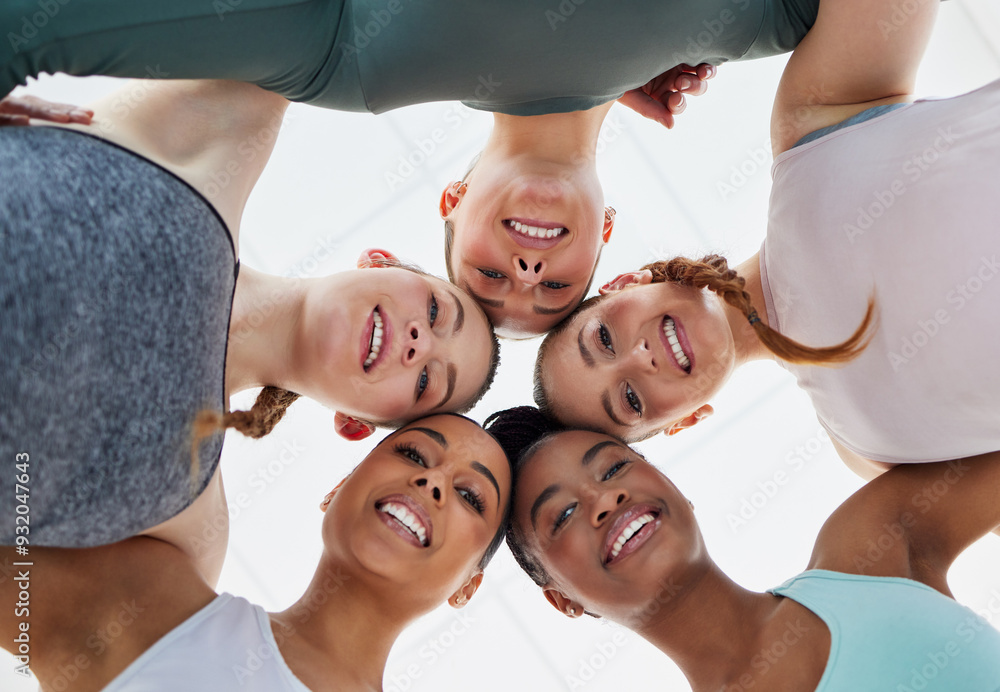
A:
<point x="908" y="205"/>
<point x="227" y="645"/>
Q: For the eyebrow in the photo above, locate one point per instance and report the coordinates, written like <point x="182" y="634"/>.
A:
<point x="498" y="304"/>
<point x="452" y="377"/>
<point x="434" y="435"/>
<point x="609" y="409"/>
<point x="539" y="310"/>
<point x="588" y="359"/>
<point x="542" y="499"/>
<point x="476" y="466"/>
<point x="459" y="314"/>
<point x="593" y="451"/>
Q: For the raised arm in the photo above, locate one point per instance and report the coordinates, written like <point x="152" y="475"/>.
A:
<point x="913" y="520"/>
<point x="216" y="135"/>
<point x="859" y="53"/>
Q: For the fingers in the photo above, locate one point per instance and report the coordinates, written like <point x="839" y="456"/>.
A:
<point x="639" y="101"/>
<point x="33" y="107"/>
<point x="13" y="120"/>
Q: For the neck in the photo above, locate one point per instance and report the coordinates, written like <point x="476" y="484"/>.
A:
<point x="709" y="626"/>
<point x="748" y="346"/>
<point x="337" y="636"/>
<point x="266" y="312"/>
<point x="561" y="138"/>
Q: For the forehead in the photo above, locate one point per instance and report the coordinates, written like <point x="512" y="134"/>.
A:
<point x="466" y="441"/>
<point x="560" y="459"/>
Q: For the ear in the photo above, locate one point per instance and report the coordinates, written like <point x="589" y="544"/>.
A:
<point x="329" y="496"/>
<point x="623" y="280"/>
<point x="351" y="428"/>
<point x="375" y="257"/>
<point x="563" y="603"/>
<point x="691" y="420"/>
<point x="450" y="198"/>
<point x="609" y="223"/>
<point x="461" y="597"/>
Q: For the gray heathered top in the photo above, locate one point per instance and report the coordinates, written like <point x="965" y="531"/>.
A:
<point x="115" y="291"/>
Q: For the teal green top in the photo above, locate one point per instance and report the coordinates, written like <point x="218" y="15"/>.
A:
<point x="897" y="635"/>
<point x="524" y="57"/>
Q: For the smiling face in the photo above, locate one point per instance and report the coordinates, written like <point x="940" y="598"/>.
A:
<point x="639" y="360"/>
<point x="608" y="528"/>
<point x="526" y="238"/>
<point x="422" y="507"/>
<point x="387" y="344"/>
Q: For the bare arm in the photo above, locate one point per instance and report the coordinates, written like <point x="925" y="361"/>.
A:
<point x="215" y="135"/>
<point x="913" y="520"/>
<point x="859" y="53"/>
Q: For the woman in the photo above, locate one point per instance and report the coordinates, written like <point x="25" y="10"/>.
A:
<point x="413" y="525"/>
<point x="855" y="213"/>
<point x="604" y="533"/>
<point x="123" y="319"/>
<point x="513" y="58"/>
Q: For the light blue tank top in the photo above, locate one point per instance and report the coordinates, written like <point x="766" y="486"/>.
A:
<point x="889" y="634"/>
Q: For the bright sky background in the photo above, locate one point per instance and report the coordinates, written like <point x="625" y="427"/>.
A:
<point x="700" y="187"/>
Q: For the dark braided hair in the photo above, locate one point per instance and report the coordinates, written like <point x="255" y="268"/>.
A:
<point x="521" y="431"/>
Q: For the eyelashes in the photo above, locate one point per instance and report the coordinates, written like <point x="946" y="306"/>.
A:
<point x="469" y="495"/>
<point x="616" y="468"/>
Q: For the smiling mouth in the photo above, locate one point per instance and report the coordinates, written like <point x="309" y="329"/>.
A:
<point x="546" y="231"/>
<point x="681" y="357"/>
<point x="630" y="531"/>
<point x="406" y="519"/>
<point x="375" y="342"/>
<point x="534" y="234"/>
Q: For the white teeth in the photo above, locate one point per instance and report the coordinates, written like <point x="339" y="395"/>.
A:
<point x="535" y="231"/>
<point x="627" y="533"/>
<point x="407" y="518"/>
<point x="376" y="342"/>
<point x="671" y="333"/>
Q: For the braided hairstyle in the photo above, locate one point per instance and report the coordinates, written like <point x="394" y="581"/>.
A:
<point x="713" y="272"/>
<point x="268" y="409"/>
<point x="521" y="431"/>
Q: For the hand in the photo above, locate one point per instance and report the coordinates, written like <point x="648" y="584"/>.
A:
<point x="18" y="110"/>
<point x="662" y="97"/>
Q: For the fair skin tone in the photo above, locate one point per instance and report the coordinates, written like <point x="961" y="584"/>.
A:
<point x="635" y="382"/>
<point x="530" y="218"/>
<point x="578" y="492"/>
<point x="444" y="468"/>
<point x="846" y="64"/>
<point x="310" y="336"/>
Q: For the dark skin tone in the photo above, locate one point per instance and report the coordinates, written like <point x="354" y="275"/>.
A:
<point x="709" y="625"/>
<point x="443" y="467"/>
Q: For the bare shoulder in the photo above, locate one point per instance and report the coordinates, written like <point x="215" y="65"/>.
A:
<point x="200" y="531"/>
<point x="913" y="520"/>
<point x="94" y="611"/>
<point x="791" y="653"/>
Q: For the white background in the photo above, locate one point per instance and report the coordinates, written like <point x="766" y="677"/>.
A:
<point x="329" y="180"/>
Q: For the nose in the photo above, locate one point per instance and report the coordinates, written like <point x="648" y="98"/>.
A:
<point x="417" y="343"/>
<point x="606" y="502"/>
<point x="431" y="483"/>
<point x="529" y="270"/>
<point x="643" y="357"/>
